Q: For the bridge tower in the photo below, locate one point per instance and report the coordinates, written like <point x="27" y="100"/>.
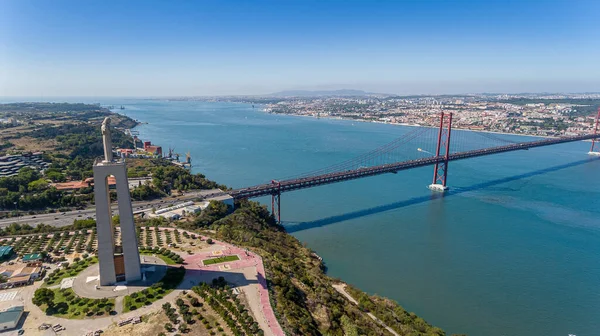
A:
<point x="440" y="171"/>
<point x="595" y="149"/>
<point x="276" y="202"/>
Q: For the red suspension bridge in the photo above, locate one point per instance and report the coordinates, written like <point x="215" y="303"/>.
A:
<point x="409" y="152"/>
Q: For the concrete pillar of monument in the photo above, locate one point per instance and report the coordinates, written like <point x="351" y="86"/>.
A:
<point x="128" y="235"/>
<point x="104" y="228"/>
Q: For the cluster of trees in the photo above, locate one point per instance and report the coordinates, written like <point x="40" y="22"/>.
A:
<point x="215" y="211"/>
<point x="163" y="251"/>
<point x="177" y="178"/>
<point x="157" y="291"/>
<point x="23" y="229"/>
<point x="145" y="297"/>
<point x="70" y="270"/>
<point x="221" y="299"/>
<point x="392" y="314"/>
<point x="29" y="190"/>
<point x="145" y="192"/>
<point x="171" y="315"/>
<point x="70" y="303"/>
<point x="167" y="177"/>
<point x="186" y="315"/>
<point x="43" y="296"/>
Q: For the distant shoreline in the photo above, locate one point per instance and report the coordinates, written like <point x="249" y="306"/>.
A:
<point x="410" y="125"/>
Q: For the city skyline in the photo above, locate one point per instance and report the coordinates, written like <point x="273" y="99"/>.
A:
<point x="71" y="48"/>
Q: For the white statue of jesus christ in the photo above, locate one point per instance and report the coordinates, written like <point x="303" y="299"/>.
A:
<point x="106" y="139"/>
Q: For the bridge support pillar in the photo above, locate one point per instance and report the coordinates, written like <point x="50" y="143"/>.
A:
<point x="440" y="171"/>
<point x="276" y="202"/>
<point x="595" y="149"/>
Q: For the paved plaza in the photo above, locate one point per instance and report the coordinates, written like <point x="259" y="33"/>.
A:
<point x="86" y="283"/>
<point x="247" y="275"/>
<point x="253" y="281"/>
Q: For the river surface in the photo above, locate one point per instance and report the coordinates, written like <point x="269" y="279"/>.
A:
<point x="512" y="250"/>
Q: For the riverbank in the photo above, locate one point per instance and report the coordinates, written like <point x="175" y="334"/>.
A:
<point x="408" y="125"/>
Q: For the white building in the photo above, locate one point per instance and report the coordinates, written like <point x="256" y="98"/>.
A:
<point x="181" y="210"/>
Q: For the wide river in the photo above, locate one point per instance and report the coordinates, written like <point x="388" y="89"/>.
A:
<point x="513" y="249"/>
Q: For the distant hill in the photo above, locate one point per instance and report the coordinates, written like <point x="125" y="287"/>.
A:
<point x="307" y="93"/>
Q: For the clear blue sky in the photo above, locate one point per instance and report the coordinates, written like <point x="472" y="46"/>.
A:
<point x="146" y="48"/>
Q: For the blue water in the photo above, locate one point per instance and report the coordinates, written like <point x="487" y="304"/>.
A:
<point x="511" y="250"/>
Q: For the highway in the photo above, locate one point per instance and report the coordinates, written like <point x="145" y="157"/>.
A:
<point x="66" y="218"/>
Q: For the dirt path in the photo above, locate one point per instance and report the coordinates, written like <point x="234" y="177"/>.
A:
<point x="341" y="288"/>
<point x="119" y="304"/>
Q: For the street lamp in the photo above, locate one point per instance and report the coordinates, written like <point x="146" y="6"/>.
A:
<point x="17" y="211"/>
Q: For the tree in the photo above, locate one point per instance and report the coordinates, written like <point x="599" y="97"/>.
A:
<point x="194" y="302"/>
<point x="183" y="328"/>
<point x="43" y="296"/>
<point x="55" y="175"/>
<point x="37" y="185"/>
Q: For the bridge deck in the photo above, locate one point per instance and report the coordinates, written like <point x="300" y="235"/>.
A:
<point x="313" y="181"/>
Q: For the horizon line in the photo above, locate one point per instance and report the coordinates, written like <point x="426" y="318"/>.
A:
<point x="271" y="94"/>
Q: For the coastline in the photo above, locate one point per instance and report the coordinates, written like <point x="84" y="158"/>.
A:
<point x="409" y="125"/>
<point x="135" y="121"/>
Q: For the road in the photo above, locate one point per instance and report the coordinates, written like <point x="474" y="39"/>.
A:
<point x="66" y="218"/>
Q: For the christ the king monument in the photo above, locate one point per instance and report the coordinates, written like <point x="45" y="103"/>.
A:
<point x="117" y="263"/>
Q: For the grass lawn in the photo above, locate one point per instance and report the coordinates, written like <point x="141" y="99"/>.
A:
<point x="71" y="271"/>
<point x="166" y="259"/>
<point x="146" y="297"/>
<point x="69" y="305"/>
<point x="220" y="260"/>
